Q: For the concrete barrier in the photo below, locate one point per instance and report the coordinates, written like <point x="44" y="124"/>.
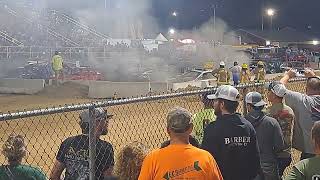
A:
<point x="21" y="86"/>
<point x="107" y="89"/>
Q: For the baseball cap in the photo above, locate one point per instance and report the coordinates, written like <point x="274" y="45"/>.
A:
<point x="179" y="120"/>
<point x="222" y="63"/>
<point x="255" y="99"/>
<point x="98" y="114"/>
<point x="226" y="92"/>
<point x="277" y="88"/>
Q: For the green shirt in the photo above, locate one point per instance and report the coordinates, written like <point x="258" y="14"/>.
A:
<point x="200" y="120"/>
<point x="22" y="172"/>
<point x="308" y="169"/>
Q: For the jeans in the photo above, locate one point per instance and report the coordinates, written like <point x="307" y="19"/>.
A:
<point x="283" y="163"/>
<point x="306" y="156"/>
<point x="270" y="171"/>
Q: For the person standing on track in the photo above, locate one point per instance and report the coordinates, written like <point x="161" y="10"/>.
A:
<point x="57" y="67"/>
<point x="235" y="70"/>
<point x="245" y="74"/>
<point x="222" y="74"/>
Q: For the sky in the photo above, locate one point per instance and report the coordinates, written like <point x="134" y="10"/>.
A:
<point x="298" y="14"/>
<point x="247" y="14"/>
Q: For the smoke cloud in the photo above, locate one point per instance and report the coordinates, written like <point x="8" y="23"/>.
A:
<point x="132" y="20"/>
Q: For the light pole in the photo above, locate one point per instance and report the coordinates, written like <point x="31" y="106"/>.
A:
<point x="174" y="15"/>
<point x="214" y="17"/>
<point x="270" y="13"/>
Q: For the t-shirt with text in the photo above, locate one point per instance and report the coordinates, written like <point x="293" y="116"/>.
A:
<point x="183" y="162"/>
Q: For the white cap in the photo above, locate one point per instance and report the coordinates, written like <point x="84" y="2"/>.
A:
<point x="226" y="92"/>
<point x="222" y="63"/>
<point x="255" y="99"/>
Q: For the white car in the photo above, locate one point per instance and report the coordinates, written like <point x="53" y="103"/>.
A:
<point x="194" y="78"/>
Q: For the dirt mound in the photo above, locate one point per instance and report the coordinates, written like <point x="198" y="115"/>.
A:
<point x="66" y="90"/>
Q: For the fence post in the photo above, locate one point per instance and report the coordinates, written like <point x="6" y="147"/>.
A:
<point x="244" y="94"/>
<point x="92" y="143"/>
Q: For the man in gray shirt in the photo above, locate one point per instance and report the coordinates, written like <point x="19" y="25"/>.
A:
<point x="306" y="108"/>
<point x="236" y="69"/>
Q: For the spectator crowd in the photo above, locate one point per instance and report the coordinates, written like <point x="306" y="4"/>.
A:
<point x="215" y="143"/>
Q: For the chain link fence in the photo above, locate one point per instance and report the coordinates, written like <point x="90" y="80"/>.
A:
<point x="137" y="119"/>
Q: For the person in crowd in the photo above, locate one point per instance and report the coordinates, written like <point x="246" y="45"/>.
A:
<point x="269" y="135"/>
<point x="179" y="160"/>
<point x="285" y="116"/>
<point x="235" y="70"/>
<point x="57" y="66"/>
<point x="73" y="154"/>
<point x="202" y="118"/>
<point x="222" y="74"/>
<point x="306" y="108"/>
<point x="14" y="149"/>
<point x="130" y="160"/>
<point x="231" y="139"/>
<point x="308" y="168"/>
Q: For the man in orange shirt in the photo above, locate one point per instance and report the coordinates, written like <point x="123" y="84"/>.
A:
<point x="179" y="160"/>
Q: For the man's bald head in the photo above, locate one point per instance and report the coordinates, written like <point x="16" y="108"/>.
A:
<point x="313" y="86"/>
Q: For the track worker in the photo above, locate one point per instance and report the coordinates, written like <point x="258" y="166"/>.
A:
<point x="179" y="160"/>
<point x="57" y="66"/>
<point x="259" y="72"/>
<point x="245" y="74"/>
<point x="235" y="70"/>
<point x="222" y="75"/>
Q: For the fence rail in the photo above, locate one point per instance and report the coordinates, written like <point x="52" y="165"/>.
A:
<point x="136" y="119"/>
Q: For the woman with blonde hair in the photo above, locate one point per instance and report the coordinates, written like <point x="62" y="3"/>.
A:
<point x="129" y="161"/>
<point x="14" y="149"/>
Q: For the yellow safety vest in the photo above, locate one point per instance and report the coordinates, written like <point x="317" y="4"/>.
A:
<point x="245" y="77"/>
<point x="57" y="62"/>
<point x="223" y="76"/>
<point x="260" y="75"/>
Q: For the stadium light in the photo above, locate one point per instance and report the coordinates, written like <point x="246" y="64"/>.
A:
<point x="171" y="31"/>
<point x="175" y="14"/>
<point x="270" y="12"/>
<point x="315" y="42"/>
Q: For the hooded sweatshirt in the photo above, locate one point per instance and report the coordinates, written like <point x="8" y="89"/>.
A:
<point x="269" y="135"/>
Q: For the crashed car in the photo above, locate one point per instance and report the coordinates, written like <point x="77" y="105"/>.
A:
<point x="194" y="78"/>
